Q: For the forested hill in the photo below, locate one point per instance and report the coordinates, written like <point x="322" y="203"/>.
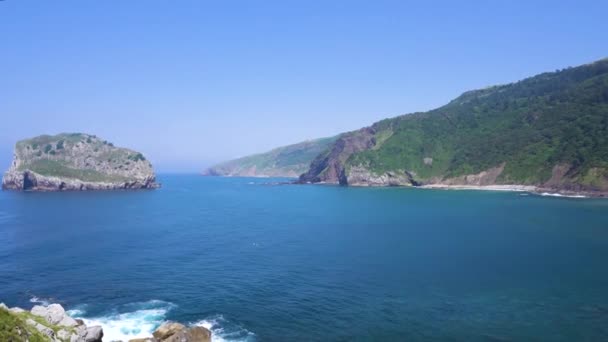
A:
<point x="550" y="130"/>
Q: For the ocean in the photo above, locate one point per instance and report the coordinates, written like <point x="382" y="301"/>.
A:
<point x="258" y="260"/>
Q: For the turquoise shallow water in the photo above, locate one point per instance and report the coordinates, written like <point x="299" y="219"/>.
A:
<point x="264" y="262"/>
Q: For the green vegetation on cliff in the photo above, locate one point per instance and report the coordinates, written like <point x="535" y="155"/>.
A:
<point x="14" y="328"/>
<point x="550" y="129"/>
<point x="287" y="161"/>
<point x="77" y="156"/>
<point x="76" y="161"/>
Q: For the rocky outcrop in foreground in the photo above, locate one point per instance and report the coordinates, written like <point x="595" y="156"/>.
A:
<point x="47" y="323"/>
<point x="76" y="161"/>
<point x="51" y="323"/>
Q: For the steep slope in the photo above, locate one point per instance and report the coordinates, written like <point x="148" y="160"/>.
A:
<point x="287" y="161"/>
<point x="550" y="131"/>
<point x="75" y="161"/>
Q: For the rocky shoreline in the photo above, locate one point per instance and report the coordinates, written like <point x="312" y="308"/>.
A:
<point x="31" y="181"/>
<point x="51" y="323"/>
<point x="360" y="176"/>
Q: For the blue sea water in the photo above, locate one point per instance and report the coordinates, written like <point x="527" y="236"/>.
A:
<point x="258" y="261"/>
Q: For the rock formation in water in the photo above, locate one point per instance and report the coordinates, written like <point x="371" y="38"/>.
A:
<point x="76" y="162"/>
<point x="176" y="332"/>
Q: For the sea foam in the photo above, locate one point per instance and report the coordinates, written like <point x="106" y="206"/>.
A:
<point x="551" y="194"/>
<point x="40" y="301"/>
<point x="140" y="319"/>
<point x="223" y="330"/>
<point x="135" y="320"/>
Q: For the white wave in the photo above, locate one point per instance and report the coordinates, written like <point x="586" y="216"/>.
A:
<point x="137" y="320"/>
<point x="41" y="301"/>
<point x="77" y="311"/>
<point x="224" y="331"/>
<point x="560" y="195"/>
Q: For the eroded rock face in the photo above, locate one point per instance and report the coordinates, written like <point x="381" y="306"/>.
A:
<point x="56" y="315"/>
<point x="93" y="334"/>
<point x="329" y="167"/>
<point x="168" y="329"/>
<point x="487" y="177"/>
<point x="76" y="162"/>
<point x="361" y="176"/>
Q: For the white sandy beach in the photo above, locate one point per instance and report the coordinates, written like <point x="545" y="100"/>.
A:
<point x="515" y="187"/>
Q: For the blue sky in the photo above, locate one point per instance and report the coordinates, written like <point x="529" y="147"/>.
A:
<point x="190" y="83"/>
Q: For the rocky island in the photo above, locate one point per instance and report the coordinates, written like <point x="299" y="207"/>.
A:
<point x="76" y="161"/>
<point x="52" y="324"/>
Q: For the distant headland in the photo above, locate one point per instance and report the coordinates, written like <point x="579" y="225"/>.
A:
<point x="544" y="134"/>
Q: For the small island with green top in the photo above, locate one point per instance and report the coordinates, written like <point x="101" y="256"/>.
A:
<point x="76" y="161"/>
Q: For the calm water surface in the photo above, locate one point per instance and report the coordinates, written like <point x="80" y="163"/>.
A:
<point x="262" y="262"/>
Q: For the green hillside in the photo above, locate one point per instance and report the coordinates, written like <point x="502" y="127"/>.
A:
<point x="550" y="130"/>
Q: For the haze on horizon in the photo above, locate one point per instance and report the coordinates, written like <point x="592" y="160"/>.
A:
<point x="191" y="83"/>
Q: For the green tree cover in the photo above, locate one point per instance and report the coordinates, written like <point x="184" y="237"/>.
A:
<point x="532" y="125"/>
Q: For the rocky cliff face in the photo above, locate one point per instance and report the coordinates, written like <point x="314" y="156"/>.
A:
<point x="76" y="162"/>
<point x="361" y="176"/>
<point x="328" y="167"/>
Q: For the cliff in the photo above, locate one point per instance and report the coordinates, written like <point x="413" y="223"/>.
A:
<point x="76" y="162"/>
<point x="286" y="161"/>
<point x="548" y="132"/>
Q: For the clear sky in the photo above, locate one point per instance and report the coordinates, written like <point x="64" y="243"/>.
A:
<point x="194" y="82"/>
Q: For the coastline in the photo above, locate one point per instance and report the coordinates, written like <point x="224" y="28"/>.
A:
<point x="511" y="187"/>
<point x="536" y="190"/>
<point x="533" y="189"/>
